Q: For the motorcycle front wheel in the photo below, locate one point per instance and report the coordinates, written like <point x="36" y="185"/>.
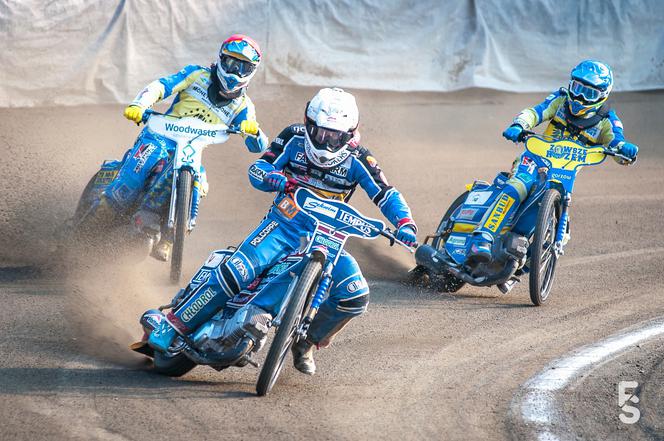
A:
<point x="542" y="255"/>
<point x="285" y="336"/>
<point x="182" y="214"/>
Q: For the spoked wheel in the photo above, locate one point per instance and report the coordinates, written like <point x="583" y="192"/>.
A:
<point x="446" y="282"/>
<point x="182" y="214"/>
<point x="542" y="254"/>
<point x="285" y="336"/>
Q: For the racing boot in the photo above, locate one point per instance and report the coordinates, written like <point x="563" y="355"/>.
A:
<point x="162" y="336"/>
<point x="303" y="357"/>
<point x="480" y="248"/>
<point x="162" y="250"/>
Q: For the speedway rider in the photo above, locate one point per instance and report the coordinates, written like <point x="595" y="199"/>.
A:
<point x="324" y="155"/>
<point x="579" y="112"/>
<point x="215" y="95"/>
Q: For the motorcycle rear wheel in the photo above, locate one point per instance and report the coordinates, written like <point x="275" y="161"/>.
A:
<point x="172" y="365"/>
<point x="542" y="256"/>
<point x="447" y="282"/>
<point x="285" y="336"/>
<point x="182" y="214"/>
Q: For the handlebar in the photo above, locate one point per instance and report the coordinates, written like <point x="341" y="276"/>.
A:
<point x="149" y="113"/>
<point x="525" y="134"/>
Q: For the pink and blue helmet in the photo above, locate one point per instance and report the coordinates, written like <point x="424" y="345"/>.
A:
<point x="239" y="57"/>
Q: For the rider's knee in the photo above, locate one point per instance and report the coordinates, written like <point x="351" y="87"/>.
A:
<point x="236" y="274"/>
<point x="519" y="185"/>
<point x="354" y="306"/>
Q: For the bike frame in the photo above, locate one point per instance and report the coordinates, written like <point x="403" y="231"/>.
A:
<point x="191" y="136"/>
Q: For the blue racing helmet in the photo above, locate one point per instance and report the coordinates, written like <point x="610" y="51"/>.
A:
<point x="589" y="87"/>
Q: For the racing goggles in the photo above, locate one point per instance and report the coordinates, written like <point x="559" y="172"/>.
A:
<point x="589" y="94"/>
<point x="327" y="139"/>
<point x="235" y="66"/>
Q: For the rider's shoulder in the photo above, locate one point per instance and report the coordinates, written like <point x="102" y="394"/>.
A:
<point x="363" y="155"/>
<point x="193" y="68"/>
<point x="560" y="92"/>
<point x="294" y="130"/>
<point x="289" y="133"/>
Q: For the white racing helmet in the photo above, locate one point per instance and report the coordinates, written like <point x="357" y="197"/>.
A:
<point x="331" y="120"/>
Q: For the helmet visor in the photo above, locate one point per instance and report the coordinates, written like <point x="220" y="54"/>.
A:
<point x="327" y="139"/>
<point x="587" y="93"/>
<point x="235" y="66"/>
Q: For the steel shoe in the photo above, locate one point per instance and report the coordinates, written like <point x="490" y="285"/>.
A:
<point x="303" y="357"/>
<point x="162" y="250"/>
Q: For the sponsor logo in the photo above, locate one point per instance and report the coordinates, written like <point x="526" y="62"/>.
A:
<point x="529" y="163"/>
<point x="478" y="197"/>
<point x="359" y="223"/>
<point x="498" y="213"/>
<point x="372" y="161"/>
<point x="340" y="171"/>
<point x="298" y="129"/>
<point x="288" y="208"/>
<point x="264" y="233"/>
<point x="189" y="130"/>
<point x="457" y="241"/>
<point x="383" y="178"/>
<point x="321" y="207"/>
<point x="466" y="213"/>
<point x="299" y="157"/>
<point x="201" y="277"/>
<point x="257" y="173"/>
<point x="356" y="285"/>
<point x="105" y="177"/>
<point x="325" y="241"/>
<point x="240" y="267"/>
<point x="142" y="155"/>
<point x="197" y="305"/>
<point x="278" y="141"/>
<point x="569" y="153"/>
<point x="560" y="176"/>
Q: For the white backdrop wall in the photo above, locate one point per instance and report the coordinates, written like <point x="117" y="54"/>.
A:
<point x="68" y="52"/>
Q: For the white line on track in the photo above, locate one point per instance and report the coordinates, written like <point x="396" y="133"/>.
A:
<point x="538" y="403"/>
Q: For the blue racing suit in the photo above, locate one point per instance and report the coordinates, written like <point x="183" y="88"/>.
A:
<point x="280" y="232"/>
<point x="149" y="165"/>
<point x="602" y="128"/>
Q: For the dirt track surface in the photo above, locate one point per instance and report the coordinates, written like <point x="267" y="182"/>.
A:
<point x="418" y="365"/>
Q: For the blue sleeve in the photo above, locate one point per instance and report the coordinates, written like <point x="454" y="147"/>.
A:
<point x="616" y="137"/>
<point x="181" y="80"/>
<point x="372" y="179"/>
<point x="255" y="144"/>
<point x="274" y="159"/>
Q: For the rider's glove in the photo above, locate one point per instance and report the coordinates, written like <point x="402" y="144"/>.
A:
<point x="512" y="132"/>
<point x="249" y="127"/>
<point x="628" y="149"/>
<point x="276" y="181"/>
<point x="406" y="234"/>
<point x="134" y="113"/>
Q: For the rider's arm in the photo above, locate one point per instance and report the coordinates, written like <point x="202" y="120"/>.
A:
<point x="544" y="111"/>
<point x="257" y="143"/>
<point x="611" y="131"/>
<point x="275" y="158"/>
<point x="371" y="178"/>
<point x="166" y="86"/>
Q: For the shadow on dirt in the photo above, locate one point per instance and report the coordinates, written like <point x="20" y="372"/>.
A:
<point x="128" y="383"/>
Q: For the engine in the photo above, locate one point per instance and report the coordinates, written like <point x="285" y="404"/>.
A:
<point x="225" y="330"/>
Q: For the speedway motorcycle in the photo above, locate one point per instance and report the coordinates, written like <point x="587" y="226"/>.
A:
<point x="191" y="136"/>
<point x="534" y="239"/>
<point x="236" y="333"/>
